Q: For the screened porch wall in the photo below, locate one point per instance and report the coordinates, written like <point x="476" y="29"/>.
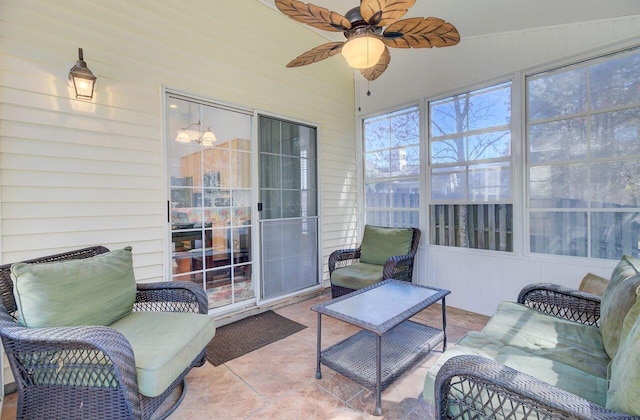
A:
<point x="480" y="279"/>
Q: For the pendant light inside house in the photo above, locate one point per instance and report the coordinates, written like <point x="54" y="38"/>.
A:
<point x="183" y="137"/>
<point x="363" y="50"/>
<point x="206" y="138"/>
<point x="82" y="78"/>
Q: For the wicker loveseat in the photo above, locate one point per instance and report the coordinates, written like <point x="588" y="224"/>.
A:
<point x="84" y="341"/>
<point x="384" y="253"/>
<point x="557" y="353"/>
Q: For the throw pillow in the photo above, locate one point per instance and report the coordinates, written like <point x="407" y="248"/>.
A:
<point x="624" y="380"/>
<point x="592" y="283"/>
<point x="93" y="291"/>
<point x="618" y="297"/>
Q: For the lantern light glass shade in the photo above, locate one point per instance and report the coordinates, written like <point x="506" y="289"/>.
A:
<point x="183" y="137"/>
<point x="82" y="78"/>
<point x="363" y="51"/>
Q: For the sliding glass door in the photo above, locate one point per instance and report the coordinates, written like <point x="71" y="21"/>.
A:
<point x="211" y="200"/>
<point x="288" y="206"/>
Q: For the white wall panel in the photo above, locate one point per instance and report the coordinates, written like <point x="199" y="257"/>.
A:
<point x="479" y="280"/>
<point x="77" y="173"/>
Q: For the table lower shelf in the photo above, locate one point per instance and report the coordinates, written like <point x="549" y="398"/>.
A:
<point x="402" y="348"/>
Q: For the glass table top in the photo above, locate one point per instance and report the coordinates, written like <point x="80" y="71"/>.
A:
<point x="380" y="307"/>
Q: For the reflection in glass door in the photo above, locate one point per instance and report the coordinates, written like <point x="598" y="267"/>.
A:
<point x="209" y="152"/>
<point x="289" y="215"/>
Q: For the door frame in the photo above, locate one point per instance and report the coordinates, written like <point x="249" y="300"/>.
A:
<point x="256" y="191"/>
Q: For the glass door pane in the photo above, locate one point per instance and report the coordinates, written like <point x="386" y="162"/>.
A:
<point x="289" y="215"/>
<point x="209" y="156"/>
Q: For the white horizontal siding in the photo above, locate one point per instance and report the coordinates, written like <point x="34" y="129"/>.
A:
<point x="77" y="173"/>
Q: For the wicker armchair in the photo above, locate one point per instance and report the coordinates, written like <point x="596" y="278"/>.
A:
<point x="469" y="386"/>
<point x="89" y="371"/>
<point x="399" y="267"/>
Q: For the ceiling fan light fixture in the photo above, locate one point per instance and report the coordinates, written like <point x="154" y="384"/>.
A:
<point x="370" y="29"/>
<point x="363" y="50"/>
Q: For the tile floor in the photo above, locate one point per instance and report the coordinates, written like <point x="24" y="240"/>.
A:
<point x="278" y="380"/>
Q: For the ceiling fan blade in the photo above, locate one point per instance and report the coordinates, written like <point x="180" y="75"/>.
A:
<point x="315" y="16"/>
<point x="421" y="33"/>
<point x="384" y="12"/>
<point x="372" y="73"/>
<point x="316" y="54"/>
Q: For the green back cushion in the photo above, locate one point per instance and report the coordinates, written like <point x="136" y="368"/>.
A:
<point x="618" y="297"/>
<point x="379" y="244"/>
<point x="93" y="291"/>
<point x="624" y="379"/>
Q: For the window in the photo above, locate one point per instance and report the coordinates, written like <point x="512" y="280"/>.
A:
<point x="470" y="169"/>
<point x="583" y="158"/>
<point x="392" y="168"/>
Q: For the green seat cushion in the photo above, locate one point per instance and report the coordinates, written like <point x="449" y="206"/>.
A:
<point x="563" y="376"/>
<point x="547" y="336"/>
<point x="625" y="367"/>
<point x="618" y="297"/>
<point x="164" y="345"/>
<point x="94" y="291"/>
<point x="357" y="276"/>
<point x="380" y="243"/>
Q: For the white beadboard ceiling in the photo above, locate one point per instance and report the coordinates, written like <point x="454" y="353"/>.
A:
<point x="482" y="17"/>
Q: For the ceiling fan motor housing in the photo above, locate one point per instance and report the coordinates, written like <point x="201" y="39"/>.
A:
<point x="359" y="25"/>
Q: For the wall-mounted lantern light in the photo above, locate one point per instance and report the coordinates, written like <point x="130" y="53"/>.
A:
<point x="82" y="78"/>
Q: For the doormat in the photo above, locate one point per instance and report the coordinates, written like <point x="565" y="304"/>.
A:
<point x="249" y="334"/>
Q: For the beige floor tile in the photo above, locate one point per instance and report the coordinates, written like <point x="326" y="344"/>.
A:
<point x="307" y="402"/>
<point x="337" y="385"/>
<point x="392" y="408"/>
<point x="275" y="369"/>
<point x="216" y="392"/>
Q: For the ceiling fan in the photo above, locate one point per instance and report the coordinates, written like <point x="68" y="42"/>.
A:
<point x="367" y="38"/>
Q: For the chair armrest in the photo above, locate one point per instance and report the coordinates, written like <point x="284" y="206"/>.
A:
<point x="399" y="267"/>
<point x="171" y="296"/>
<point x="96" y="358"/>
<point x="563" y="302"/>
<point x="343" y="258"/>
<point x="484" y="388"/>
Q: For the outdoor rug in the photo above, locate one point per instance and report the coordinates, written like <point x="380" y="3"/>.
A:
<point x="249" y="334"/>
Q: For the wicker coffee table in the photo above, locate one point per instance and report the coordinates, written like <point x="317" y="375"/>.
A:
<point x="389" y="343"/>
